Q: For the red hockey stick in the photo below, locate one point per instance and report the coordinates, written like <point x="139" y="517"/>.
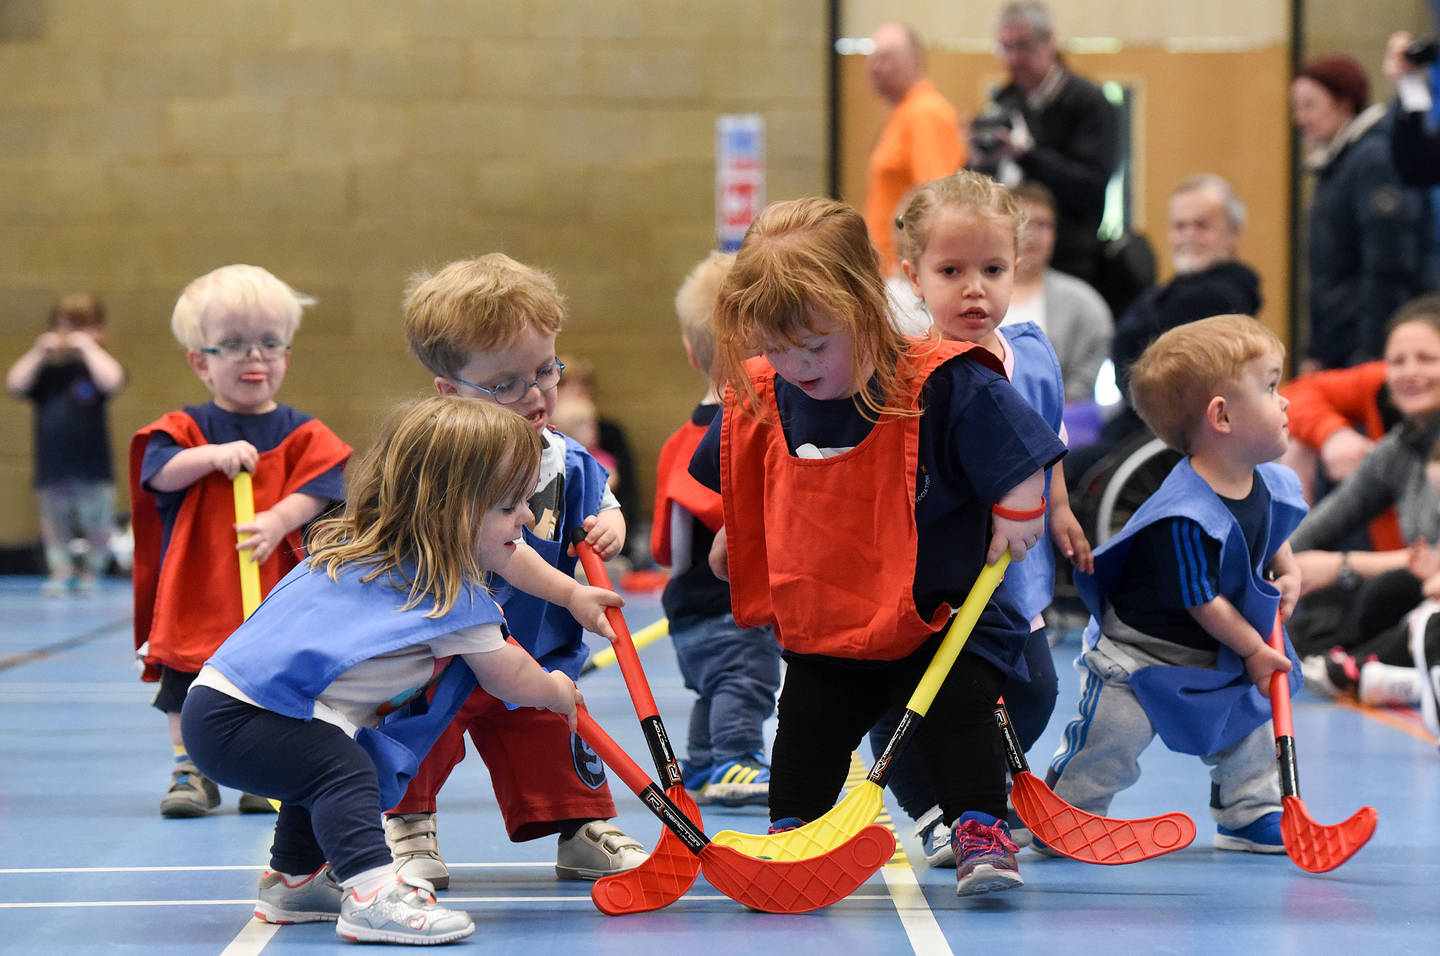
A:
<point x="1074" y="832"/>
<point x="671" y="869"/>
<point x="773" y="886"/>
<point x="1313" y="846"/>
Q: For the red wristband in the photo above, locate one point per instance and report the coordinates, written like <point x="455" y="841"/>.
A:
<point x="1009" y="515"/>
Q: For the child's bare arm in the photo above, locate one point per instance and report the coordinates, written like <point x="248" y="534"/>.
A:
<point x="189" y="465"/>
<point x="605" y="532"/>
<point x="1227" y="625"/>
<point x="1065" y="528"/>
<point x="1287" y="579"/>
<point x="270" y="527"/>
<point x="1018" y="535"/>
<point x="105" y="371"/>
<point x="532" y="574"/>
<point x="26" y="370"/>
<point x="511" y="674"/>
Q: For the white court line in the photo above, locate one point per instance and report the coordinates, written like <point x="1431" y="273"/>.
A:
<point x="924" y="933"/>
<point x="217" y="869"/>
<point x="252" y="939"/>
<point x="250" y="901"/>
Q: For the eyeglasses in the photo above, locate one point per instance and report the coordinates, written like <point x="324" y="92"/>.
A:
<point x="269" y="348"/>
<point x="512" y="390"/>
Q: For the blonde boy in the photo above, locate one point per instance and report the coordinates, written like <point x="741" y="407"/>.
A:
<point x="236" y="325"/>
<point x="486" y="329"/>
<point x="734" y="671"/>
<point x="1180" y="601"/>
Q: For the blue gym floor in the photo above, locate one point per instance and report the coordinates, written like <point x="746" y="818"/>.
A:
<point x="87" y="865"/>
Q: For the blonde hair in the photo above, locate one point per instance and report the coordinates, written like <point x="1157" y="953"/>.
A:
<point x="415" y="501"/>
<point x="234" y="288"/>
<point x="800" y="259"/>
<point x="966" y="190"/>
<point x="479" y="304"/>
<point x="1172" y="382"/>
<point x="695" y="303"/>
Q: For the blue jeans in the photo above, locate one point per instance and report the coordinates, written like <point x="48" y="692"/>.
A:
<point x="329" y="792"/>
<point x="736" y="672"/>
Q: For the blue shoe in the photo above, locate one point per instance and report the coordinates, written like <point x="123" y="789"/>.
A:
<point x="786" y="823"/>
<point x="741" y="782"/>
<point x="984" y="855"/>
<point x="694" y="779"/>
<point x="1261" y="836"/>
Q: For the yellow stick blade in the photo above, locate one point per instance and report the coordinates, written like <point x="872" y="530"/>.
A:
<point x="859" y="809"/>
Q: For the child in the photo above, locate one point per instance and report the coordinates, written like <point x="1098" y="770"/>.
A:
<point x="734" y="670"/>
<point x="1180" y="604"/>
<point x="866" y="478"/>
<point x="308" y="700"/>
<point x="959" y="237"/>
<point x="236" y="324"/>
<point x="70" y="378"/>
<point x="486" y="329"/>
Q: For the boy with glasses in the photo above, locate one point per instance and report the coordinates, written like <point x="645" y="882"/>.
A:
<point x="236" y="324"/>
<point x="486" y="329"/>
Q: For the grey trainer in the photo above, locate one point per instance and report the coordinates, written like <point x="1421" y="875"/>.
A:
<point x="313" y="899"/>
<point x="191" y="793"/>
<point x="415" y="845"/>
<point x="403" y="912"/>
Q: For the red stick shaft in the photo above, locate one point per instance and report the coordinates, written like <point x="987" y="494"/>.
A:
<point x="625" y="652"/>
<point x="1280" y="688"/>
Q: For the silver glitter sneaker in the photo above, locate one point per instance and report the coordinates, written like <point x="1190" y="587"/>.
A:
<point x="403" y="912"/>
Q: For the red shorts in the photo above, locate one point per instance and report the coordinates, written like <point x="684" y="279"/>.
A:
<point x="541" y="773"/>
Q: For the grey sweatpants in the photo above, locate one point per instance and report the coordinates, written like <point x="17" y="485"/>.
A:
<point x="1099" y="752"/>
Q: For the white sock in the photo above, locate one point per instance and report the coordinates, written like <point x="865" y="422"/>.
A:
<point x="367" y="884"/>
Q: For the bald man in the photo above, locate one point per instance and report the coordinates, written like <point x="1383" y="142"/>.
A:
<point x="920" y="140"/>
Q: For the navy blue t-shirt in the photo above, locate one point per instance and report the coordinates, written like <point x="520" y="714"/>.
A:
<point x="265" y="431"/>
<point x="1173" y="566"/>
<point x="978" y="439"/>
<point x="72" y="436"/>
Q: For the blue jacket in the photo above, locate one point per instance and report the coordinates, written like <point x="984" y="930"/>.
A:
<point x="1200" y="710"/>
<point x="310" y="629"/>
<point x="1038" y="380"/>
<point x="550" y="633"/>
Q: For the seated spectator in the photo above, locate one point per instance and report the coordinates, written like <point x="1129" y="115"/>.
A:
<point x="1357" y="600"/>
<point x="1070" y="313"/>
<point x="579" y="380"/>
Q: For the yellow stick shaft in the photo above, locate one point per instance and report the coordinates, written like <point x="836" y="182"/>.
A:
<point x="249" y="570"/>
<point x="646" y="635"/>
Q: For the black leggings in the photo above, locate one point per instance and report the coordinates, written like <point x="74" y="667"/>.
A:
<point x="327" y="785"/>
<point x="1366" y="621"/>
<point x="828" y="704"/>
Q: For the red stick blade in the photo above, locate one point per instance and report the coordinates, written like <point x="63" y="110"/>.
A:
<point x="661" y="880"/>
<point x="1319" y="848"/>
<point x="1093" y="839"/>
<point x="798" y="886"/>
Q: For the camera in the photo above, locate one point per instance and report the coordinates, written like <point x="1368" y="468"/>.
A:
<point x="986" y="126"/>
<point x="1422" y="52"/>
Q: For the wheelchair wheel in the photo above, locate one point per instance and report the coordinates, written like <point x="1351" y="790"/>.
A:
<point x="1135" y="478"/>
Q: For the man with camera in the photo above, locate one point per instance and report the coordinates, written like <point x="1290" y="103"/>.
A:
<point x="1052" y="126"/>
<point x="1415" y="149"/>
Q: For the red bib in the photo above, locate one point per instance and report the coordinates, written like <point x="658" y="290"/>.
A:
<point x="825" y="548"/>
<point x="675" y="485"/>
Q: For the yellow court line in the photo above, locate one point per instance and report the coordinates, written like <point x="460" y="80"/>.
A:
<point x="1390" y="720"/>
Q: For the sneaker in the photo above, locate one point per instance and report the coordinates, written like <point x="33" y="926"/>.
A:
<point x="1259" y="836"/>
<point x="784" y="825"/>
<point x="934" y="837"/>
<point x="1385" y="685"/>
<point x="87" y="586"/>
<point x="416" y="848"/>
<point x="738" y="783"/>
<point x="191" y="793"/>
<point x="598" y="849"/>
<point x="403" y="912"/>
<point x="1425" y="647"/>
<point x="254" y="803"/>
<point x="985" y="855"/>
<point x="55" y="588"/>
<point x="1332" y="674"/>
<point x="312" y="899"/>
<point x="695" y="780"/>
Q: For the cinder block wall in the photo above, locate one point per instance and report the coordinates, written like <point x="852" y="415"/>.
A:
<point x="344" y="143"/>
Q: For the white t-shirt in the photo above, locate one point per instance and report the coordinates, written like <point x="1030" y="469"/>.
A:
<point x="355" y="698"/>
